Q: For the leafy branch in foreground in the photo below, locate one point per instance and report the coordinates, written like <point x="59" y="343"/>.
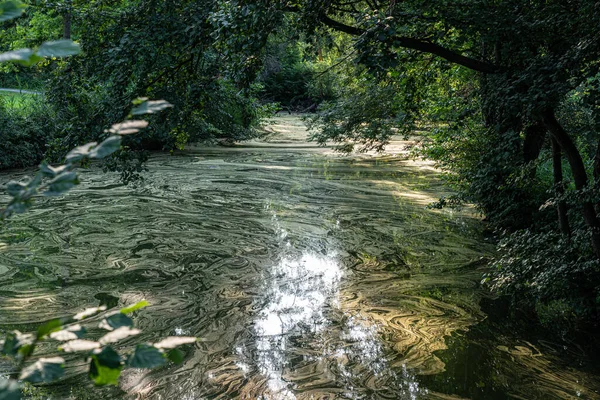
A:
<point x="105" y="362"/>
<point x="55" y="181"/>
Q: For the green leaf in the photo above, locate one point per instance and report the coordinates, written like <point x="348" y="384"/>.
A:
<point x="151" y="107"/>
<point x="49" y="327"/>
<point x="71" y="333"/>
<point x="174" y="341"/>
<point x="128" y="127"/>
<point x="26" y="57"/>
<point x="18" y="343"/>
<point x="116" y="320"/>
<point x="106" y="148"/>
<point x="44" y="370"/>
<point x="11" y="9"/>
<point x="137" y="306"/>
<point x="51" y="171"/>
<point x="62" y="183"/>
<point x="9" y="390"/>
<point x="58" y="48"/>
<point x="119" y="334"/>
<point x="146" y="356"/>
<point x="79" y="345"/>
<point x="105" y="367"/>
<point x="15" y="189"/>
<point x="176" y="356"/>
<point x="16" y="55"/>
<point x="80" y="152"/>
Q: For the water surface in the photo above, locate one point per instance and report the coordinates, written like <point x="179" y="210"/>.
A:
<point x="306" y="275"/>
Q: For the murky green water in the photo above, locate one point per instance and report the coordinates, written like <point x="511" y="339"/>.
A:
<point x="308" y="276"/>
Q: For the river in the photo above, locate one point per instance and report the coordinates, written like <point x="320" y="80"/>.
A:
<point x="306" y="275"/>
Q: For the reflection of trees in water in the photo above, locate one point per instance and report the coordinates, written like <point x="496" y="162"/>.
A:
<point x="491" y="362"/>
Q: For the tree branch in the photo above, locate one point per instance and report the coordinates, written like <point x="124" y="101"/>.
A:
<point x="420" y="45"/>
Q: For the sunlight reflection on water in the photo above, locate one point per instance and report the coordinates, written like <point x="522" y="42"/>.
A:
<point x="305" y="276"/>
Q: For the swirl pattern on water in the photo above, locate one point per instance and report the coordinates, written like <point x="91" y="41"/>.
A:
<point x="306" y="275"/>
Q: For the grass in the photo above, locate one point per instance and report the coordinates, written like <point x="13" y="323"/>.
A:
<point x="17" y="101"/>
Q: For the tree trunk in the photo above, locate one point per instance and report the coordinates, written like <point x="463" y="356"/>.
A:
<point x="597" y="173"/>
<point x="67" y="21"/>
<point x="563" y="219"/>
<point x="534" y="141"/>
<point x="579" y="174"/>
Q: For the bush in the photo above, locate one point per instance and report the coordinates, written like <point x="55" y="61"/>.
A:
<point x="25" y="133"/>
<point x="554" y="276"/>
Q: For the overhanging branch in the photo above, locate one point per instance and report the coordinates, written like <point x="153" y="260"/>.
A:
<point x="420" y="45"/>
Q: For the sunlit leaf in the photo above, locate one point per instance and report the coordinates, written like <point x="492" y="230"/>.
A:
<point x="16" y="55"/>
<point x="79" y="345"/>
<point x="128" y="127"/>
<point x="137" y="306"/>
<point x="51" y="171"/>
<point x="106" y="148"/>
<point x="174" y="341"/>
<point x="26" y="57"/>
<point x="146" y="356"/>
<point x="80" y="152"/>
<point x="58" y="48"/>
<point x="151" y="107"/>
<point x="119" y="334"/>
<point x="71" y="333"/>
<point x="105" y="367"/>
<point x="49" y="327"/>
<point x="89" y="312"/>
<point x="44" y="370"/>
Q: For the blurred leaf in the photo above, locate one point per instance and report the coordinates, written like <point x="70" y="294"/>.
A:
<point x="107" y="147"/>
<point x="116" y="320"/>
<point x="79" y="345"/>
<point x="51" y="171"/>
<point x="44" y="370"/>
<point x="11" y="9"/>
<point x="49" y="327"/>
<point x="137" y="306"/>
<point x="128" y="127"/>
<point x="15" y="189"/>
<point x="71" y="333"/>
<point x="105" y="367"/>
<point x="89" y="312"/>
<point x="16" y="55"/>
<point x="58" y="48"/>
<point x="26" y="57"/>
<point x="62" y="183"/>
<point x="151" y="107"/>
<point x="119" y="334"/>
<point x="17" y="343"/>
<point x="139" y="100"/>
<point x="146" y="356"/>
<point x="80" y="152"/>
<point x="176" y="356"/>
<point x="9" y="390"/>
<point x="174" y="341"/>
